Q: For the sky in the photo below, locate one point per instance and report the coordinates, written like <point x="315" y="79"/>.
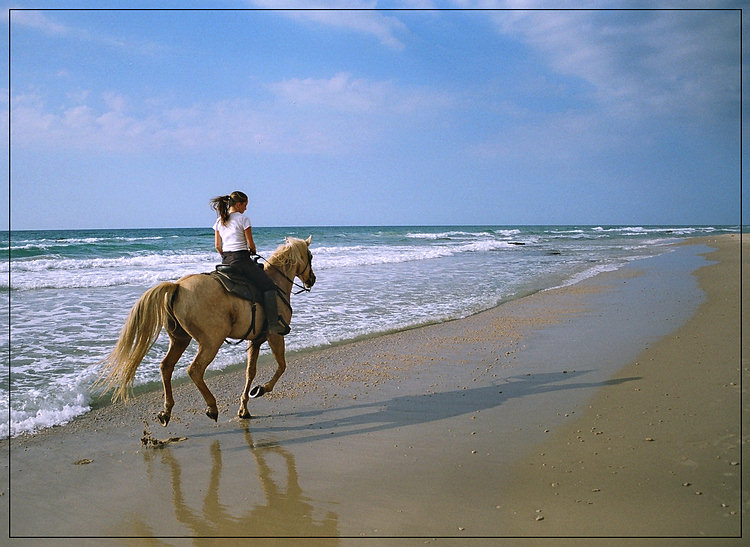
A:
<point x="493" y="116"/>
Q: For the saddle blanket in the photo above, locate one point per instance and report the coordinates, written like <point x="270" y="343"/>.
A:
<point x="235" y="283"/>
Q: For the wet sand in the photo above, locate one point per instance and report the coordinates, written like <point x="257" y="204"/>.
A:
<point x="608" y="409"/>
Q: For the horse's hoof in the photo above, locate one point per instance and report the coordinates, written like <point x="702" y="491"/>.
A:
<point x="244" y="415"/>
<point x="163" y="418"/>
<point x="256" y="392"/>
<point x="213" y="414"/>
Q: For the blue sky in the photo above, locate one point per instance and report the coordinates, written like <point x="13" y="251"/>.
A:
<point x="137" y="118"/>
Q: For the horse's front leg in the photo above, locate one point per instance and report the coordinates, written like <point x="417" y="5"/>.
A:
<point x="276" y="341"/>
<point x="252" y="362"/>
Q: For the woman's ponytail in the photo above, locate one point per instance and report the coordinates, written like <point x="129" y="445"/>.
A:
<point x="221" y="204"/>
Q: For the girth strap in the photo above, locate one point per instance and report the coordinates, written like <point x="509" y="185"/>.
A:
<point x="251" y="329"/>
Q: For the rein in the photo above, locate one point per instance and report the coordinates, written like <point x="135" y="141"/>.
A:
<point x="301" y="288"/>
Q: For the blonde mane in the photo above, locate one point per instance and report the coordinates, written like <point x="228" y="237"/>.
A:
<point x="292" y="251"/>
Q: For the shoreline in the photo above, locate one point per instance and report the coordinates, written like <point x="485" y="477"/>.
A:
<point x="386" y="436"/>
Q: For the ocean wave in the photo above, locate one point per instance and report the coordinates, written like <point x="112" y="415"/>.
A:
<point x="49" y="273"/>
<point x="365" y="255"/>
<point x="51" y="243"/>
<point x="640" y="230"/>
<point x="452" y="235"/>
<point x="66" y="398"/>
<point x="67" y="273"/>
<point x="593" y="271"/>
<point x="159" y="260"/>
<point x="566" y="232"/>
<point x="41" y="418"/>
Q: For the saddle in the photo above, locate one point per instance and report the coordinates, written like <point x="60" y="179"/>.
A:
<point x="236" y="283"/>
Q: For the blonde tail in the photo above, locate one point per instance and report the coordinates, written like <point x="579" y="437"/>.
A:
<point x="139" y="333"/>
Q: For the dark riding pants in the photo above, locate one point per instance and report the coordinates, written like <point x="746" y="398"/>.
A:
<point x="243" y="262"/>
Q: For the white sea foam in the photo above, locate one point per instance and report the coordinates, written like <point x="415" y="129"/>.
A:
<point x="666" y="230"/>
<point x="586" y="274"/>
<point x="66" y="397"/>
<point x="458" y="234"/>
<point x="369" y="255"/>
<point x="71" y="273"/>
<point x="146" y="269"/>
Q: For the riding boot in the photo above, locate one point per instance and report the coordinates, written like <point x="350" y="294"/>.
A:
<point x="276" y="324"/>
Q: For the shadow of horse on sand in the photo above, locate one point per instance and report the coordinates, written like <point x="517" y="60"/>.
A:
<point x="409" y="410"/>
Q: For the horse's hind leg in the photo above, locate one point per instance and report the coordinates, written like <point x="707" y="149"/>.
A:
<point x="252" y="362"/>
<point x="206" y="354"/>
<point x="177" y="347"/>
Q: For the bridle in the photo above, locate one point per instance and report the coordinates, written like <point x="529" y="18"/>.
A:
<point x="301" y="288"/>
<point x="292" y="281"/>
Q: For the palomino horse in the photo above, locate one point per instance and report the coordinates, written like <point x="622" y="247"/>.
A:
<point x="197" y="306"/>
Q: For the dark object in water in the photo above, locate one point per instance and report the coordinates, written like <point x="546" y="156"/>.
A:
<point x="150" y="442"/>
<point x="516" y="243"/>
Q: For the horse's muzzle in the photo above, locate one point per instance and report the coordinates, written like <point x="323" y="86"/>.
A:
<point x="310" y="280"/>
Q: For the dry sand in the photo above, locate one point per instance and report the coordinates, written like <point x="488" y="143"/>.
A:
<point x="609" y="409"/>
<point x="660" y="455"/>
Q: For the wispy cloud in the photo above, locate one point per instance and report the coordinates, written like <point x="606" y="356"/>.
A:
<point x="42" y="21"/>
<point x="640" y="63"/>
<point x="627" y="75"/>
<point x="343" y="92"/>
<point x="307" y="116"/>
<point x="349" y="15"/>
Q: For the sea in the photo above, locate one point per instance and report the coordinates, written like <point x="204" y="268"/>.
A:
<point x="68" y="292"/>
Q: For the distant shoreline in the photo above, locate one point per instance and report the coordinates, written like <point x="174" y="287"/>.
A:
<point x="303" y="226"/>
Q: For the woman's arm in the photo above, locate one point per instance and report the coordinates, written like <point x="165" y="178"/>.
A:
<point x="217" y="241"/>
<point x="249" y="239"/>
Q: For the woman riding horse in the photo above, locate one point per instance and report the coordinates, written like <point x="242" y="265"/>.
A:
<point x="233" y="236"/>
<point x="197" y="307"/>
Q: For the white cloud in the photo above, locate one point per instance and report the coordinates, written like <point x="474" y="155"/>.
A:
<point x="344" y="93"/>
<point x="350" y="15"/>
<point x="640" y="63"/>
<point x="645" y="74"/>
<point x="341" y="92"/>
<point x="38" y="20"/>
<point x="308" y="116"/>
<point x="78" y="126"/>
<point x="41" y="20"/>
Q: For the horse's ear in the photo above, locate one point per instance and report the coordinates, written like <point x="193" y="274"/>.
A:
<point x="308" y="240"/>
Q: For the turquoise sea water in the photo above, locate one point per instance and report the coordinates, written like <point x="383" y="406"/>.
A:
<point x="69" y="292"/>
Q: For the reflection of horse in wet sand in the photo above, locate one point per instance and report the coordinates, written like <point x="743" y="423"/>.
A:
<point x="286" y="511"/>
<point x="197" y="306"/>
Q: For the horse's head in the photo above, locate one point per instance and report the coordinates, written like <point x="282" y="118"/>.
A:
<point x="294" y="259"/>
<point x="306" y="274"/>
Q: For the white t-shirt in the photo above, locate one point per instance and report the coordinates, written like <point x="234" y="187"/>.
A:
<point x="233" y="233"/>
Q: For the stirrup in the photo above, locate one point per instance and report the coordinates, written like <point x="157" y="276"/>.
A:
<point x="282" y="327"/>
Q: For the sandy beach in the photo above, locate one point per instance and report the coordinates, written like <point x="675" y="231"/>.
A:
<point x="605" y="412"/>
